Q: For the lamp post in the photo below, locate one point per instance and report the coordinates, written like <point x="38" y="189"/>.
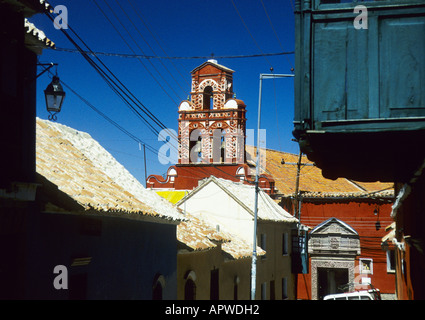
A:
<point x="257" y="165"/>
<point x="54" y="97"/>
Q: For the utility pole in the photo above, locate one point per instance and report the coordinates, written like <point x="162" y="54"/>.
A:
<point x="257" y="169"/>
<point x="144" y="156"/>
<point x="297" y="186"/>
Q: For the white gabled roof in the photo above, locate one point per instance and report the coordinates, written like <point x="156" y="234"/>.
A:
<point x="330" y="221"/>
<point x="245" y="195"/>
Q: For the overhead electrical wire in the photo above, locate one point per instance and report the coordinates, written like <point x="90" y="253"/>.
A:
<point x="114" y="83"/>
<point x="138" y="46"/>
<point x="142" y="56"/>
<point x="275" y="33"/>
<point x="140" y="16"/>
<point x="114" y="123"/>
<point x="150" y="47"/>
<point x="121" y="90"/>
<point x="128" y="45"/>
<point x="121" y="128"/>
<point x="249" y="32"/>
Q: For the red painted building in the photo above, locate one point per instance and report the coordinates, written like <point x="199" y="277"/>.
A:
<point x="369" y="216"/>
<point x="211" y="134"/>
<point x="346" y="221"/>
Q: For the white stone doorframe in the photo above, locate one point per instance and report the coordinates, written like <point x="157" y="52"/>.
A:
<point x="328" y="263"/>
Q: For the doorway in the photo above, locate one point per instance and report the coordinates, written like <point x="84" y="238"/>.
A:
<point x="331" y="280"/>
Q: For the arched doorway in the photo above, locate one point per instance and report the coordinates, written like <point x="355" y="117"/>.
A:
<point x="190" y="286"/>
<point x="190" y="290"/>
<point x="158" y="287"/>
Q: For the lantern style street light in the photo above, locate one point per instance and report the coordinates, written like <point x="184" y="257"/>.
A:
<point x="54" y="97"/>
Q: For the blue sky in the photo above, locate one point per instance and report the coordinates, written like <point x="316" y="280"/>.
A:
<point x="165" y="28"/>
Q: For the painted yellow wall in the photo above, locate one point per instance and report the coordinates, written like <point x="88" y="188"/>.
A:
<point x="273" y="268"/>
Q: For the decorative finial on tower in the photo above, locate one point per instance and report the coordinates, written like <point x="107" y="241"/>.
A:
<point x="212" y="59"/>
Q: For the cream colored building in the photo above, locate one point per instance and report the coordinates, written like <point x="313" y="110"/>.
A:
<point x="214" y="260"/>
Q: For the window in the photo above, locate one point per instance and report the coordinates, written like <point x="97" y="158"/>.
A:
<point x="195" y="146"/>
<point x="366" y="266"/>
<point x="263" y="241"/>
<point x="284" y="244"/>
<point x="284" y="288"/>
<point x="214" y="285"/>
<point x="263" y="244"/>
<point x="272" y="290"/>
<point x="264" y="291"/>
<point x="196" y="150"/>
<point x="219" y="145"/>
<point x="391" y="261"/>
<point x="207" y="98"/>
<point x="235" y="291"/>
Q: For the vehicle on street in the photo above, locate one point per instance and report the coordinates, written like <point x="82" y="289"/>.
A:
<point x="356" y="295"/>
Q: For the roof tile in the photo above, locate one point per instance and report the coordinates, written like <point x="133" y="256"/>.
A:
<point x="311" y="179"/>
<point x="81" y="168"/>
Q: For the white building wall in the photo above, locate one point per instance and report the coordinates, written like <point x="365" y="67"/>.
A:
<point x="212" y="204"/>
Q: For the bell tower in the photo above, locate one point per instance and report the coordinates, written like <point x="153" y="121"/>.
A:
<point x="212" y="134"/>
<point x="212" y="123"/>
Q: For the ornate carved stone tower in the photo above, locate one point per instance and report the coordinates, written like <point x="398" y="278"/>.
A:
<point x="212" y="133"/>
<point x="212" y="124"/>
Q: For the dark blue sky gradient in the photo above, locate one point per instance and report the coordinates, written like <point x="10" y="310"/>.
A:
<point x="165" y="28"/>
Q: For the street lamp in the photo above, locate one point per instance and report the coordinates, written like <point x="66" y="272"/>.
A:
<point x="257" y="165"/>
<point x="54" y="97"/>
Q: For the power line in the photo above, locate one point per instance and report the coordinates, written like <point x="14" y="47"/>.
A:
<point x="125" y="131"/>
<point x="142" y="56"/>
<point x="150" y="47"/>
<point x="138" y="46"/>
<point x="249" y="32"/>
<point x="274" y="31"/>
<point x="114" y="83"/>
<point x="128" y="45"/>
<point x="139" y="15"/>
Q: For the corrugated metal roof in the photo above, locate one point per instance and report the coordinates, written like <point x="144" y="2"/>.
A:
<point x="312" y="182"/>
<point x="84" y="170"/>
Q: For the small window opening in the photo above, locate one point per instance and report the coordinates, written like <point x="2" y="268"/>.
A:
<point x="208" y="100"/>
